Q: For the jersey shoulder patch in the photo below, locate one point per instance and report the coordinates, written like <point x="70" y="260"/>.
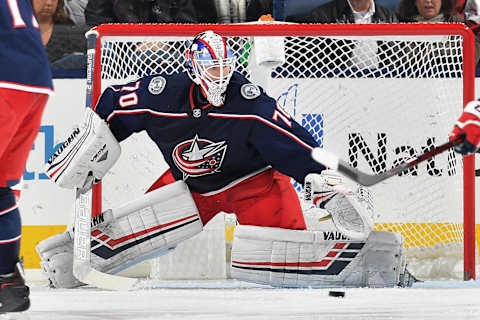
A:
<point x="156" y="85"/>
<point x="250" y="91"/>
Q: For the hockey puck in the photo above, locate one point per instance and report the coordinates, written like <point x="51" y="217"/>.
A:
<point x="339" y="294"/>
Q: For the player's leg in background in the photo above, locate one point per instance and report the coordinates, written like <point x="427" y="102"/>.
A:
<point x="20" y="116"/>
<point x="25" y="111"/>
<point x="13" y="291"/>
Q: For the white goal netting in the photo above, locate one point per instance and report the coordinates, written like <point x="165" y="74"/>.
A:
<point x="375" y="98"/>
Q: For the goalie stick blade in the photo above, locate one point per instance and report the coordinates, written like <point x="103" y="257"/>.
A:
<point x="110" y="282"/>
<point x="333" y="162"/>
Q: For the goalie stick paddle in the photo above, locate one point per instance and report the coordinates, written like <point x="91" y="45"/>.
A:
<point x="331" y="161"/>
<point x="82" y="268"/>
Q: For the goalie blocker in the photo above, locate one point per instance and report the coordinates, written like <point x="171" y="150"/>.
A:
<point x="142" y="229"/>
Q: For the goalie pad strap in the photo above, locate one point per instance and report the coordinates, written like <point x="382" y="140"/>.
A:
<point x="298" y="258"/>
<point x="90" y="148"/>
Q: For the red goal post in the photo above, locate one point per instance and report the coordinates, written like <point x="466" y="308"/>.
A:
<point x="107" y="65"/>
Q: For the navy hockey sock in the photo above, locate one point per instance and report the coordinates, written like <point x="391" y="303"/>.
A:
<point x="10" y="231"/>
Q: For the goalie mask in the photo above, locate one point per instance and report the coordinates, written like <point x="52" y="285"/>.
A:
<point x="210" y="64"/>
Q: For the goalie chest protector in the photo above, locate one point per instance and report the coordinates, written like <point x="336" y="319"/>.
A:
<point x="210" y="147"/>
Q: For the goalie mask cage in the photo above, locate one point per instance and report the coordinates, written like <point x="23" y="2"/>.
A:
<point x="375" y="95"/>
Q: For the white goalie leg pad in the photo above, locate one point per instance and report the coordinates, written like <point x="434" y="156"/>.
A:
<point x="56" y="253"/>
<point x="90" y="148"/>
<point x="294" y="258"/>
<point x="142" y="229"/>
<point x="351" y="211"/>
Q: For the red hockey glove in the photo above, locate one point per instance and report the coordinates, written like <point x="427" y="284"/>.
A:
<point x="469" y="124"/>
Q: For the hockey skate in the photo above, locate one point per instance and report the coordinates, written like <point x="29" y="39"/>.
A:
<point x="13" y="292"/>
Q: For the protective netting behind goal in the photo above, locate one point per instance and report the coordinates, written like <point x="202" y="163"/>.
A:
<point x="375" y="97"/>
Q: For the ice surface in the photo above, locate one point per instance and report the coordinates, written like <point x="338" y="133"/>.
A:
<point x="442" y="300"/>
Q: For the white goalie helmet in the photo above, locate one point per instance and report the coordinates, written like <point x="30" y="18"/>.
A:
<point x="210" y="64"/>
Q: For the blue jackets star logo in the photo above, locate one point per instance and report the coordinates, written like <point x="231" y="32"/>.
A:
<point x="198" y="157"/>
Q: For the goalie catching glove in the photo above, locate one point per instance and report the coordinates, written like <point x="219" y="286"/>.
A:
<point x="141" y="229"/>
<point x="351" y="212"/>
<point x="469" y="125"/>
<point x="90" y="148"/>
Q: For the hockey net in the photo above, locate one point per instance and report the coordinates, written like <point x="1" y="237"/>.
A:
<point x="373" y="94"/>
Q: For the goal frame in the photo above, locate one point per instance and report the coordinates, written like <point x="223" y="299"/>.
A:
<point x="94" y="37"/>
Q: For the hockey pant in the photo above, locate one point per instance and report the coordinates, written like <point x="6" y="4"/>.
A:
<point x="267" y="199"/>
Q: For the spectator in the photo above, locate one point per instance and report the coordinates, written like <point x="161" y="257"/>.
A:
<point x="360" y="54"/>
<point x="257" y="8"/>
<point x="76" y="11"/>
<point x="432" y="11"/>
<point x="65" y="43"/>
<point x="162" y="11"/>
<point x="100" y="11"/>
<point x="349" y="11"/>
<point x="428" y="11"/>
<point x="165" y="11"/>
<point x="470" y="10"/>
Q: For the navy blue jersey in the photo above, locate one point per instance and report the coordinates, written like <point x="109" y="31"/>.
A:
<point x="23" y="60"/>
<point x="210" y="147"/>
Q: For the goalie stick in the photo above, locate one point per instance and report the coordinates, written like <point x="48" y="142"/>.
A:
<point x="82" y="268"/>
<point x="331" y="161"/>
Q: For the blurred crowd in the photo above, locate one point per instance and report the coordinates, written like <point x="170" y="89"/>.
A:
<point x="63" y="23"/>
